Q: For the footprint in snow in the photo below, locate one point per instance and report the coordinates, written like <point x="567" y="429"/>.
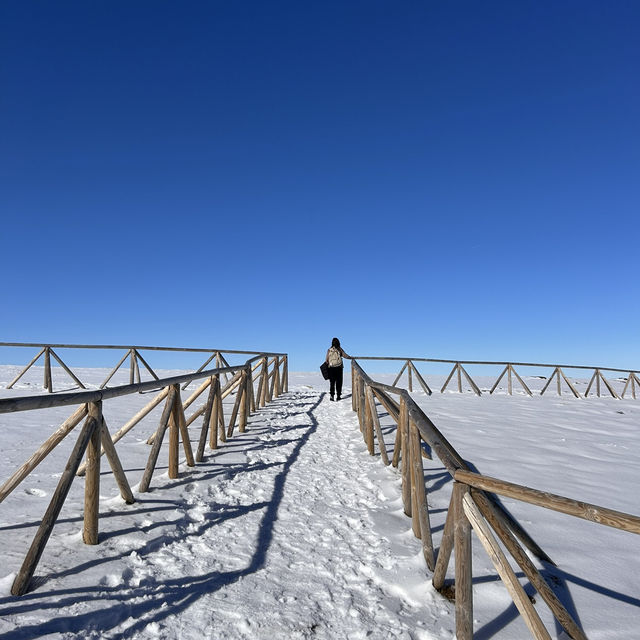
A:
<point x="36" y="492"/>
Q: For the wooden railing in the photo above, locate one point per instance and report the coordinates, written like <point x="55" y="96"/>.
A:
<point x="472" y="507"/>
<point x="268" y="370"/>
<point x="131" y="353"/>
<point x="632" y="381"/>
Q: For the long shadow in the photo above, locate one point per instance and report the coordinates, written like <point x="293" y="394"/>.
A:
<point x="159" y="600"/>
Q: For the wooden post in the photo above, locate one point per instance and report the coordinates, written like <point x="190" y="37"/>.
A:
<point x="271" y="386"/>
<point x="132" y="366"/>
<point x="244" y="387"/>
<point x="354" y="391"/>
<point x="417" y="476"/>
<point x="206" y="422"/>
<point x="597" y="376"/>
<point x="220" y="412"/>
<point x="353" y="388"/>
<point x="403" y="428"/>
<point x="92" y="479"/>
<point x="420" y="513"/>
<point x="234" y="413"/>
<point x="134" y="355"/>
<point x="511" y="372"/>
<point x="446" y="546"/>
<point x="157" y="443"/>
<point x="397" y="445"/>
<point x="276" y="384"/>
<point x="174" y="439"/>
<point x="182" y="426"/>
<point x="459" y="377"/>
<point x="48" y="382"/>
<point x="409" y="365"/>
<point x="368" y="423"/>
<point x="21" y="583"/>
<point x="116" y="465"/>
<point x="632" y="380"/>
<point x="362" y="408"/>
<point x="251" y="405"/>
<point x="376" y="424"/>
<point x="285" y="373"/>
<point x="462" y="544"/>
<point x="213" y="418"/>
<point x="259" y="392"/>
<point x="252" y="396"/>
<point x="593" y="377"/>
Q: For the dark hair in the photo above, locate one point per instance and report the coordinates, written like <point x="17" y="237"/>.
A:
<point x="335" y="343"/>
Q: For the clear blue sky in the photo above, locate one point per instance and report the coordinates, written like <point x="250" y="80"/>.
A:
<point x="439" y="179"/>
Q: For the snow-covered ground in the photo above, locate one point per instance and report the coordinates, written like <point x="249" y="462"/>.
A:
<point x="291" y="530"/>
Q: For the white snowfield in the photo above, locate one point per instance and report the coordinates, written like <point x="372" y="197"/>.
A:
<point x="291" y="530"/>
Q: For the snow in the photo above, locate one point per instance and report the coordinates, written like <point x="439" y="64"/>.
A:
<point x="292" y="530"/>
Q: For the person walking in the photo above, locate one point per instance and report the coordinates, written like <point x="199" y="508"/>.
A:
<point x="335" y="353"/>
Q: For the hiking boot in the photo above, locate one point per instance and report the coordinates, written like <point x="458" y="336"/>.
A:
<point x="339" y="398"/>
<point x="332" y="398"/>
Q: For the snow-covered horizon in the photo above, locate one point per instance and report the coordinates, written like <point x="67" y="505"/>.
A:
<point x="293" y="530"/>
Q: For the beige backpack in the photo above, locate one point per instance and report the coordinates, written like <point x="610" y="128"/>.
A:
<point x="335" y="357"/>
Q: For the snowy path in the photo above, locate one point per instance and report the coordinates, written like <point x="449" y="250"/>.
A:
<point x="291" y="530"/>
<point x="282" y="533"/>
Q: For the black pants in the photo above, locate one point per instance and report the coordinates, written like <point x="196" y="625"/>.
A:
<point x="335" y="380"/>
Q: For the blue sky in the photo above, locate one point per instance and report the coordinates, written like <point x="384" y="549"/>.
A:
<point x="448" y="180"/>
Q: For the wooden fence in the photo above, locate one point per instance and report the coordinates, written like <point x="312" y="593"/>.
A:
<point x="269" y="371"/>
<point x="472" y="507"/>
<point x="131" y="353"/>
<point x="631" y="379"/>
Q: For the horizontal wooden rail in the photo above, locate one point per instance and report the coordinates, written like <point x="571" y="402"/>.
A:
<point x="137" y="347"/>
<point x="569" y="506"/>
<point x="131" y="353"/>
<point x="28" y="403"/>
<point x="493" y="362"/>
<point x="460" y="377"/>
